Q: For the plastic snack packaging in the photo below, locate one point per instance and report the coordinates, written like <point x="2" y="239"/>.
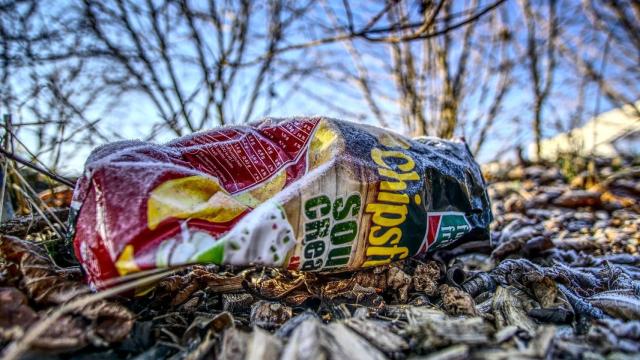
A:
<point x="308" y="194"/>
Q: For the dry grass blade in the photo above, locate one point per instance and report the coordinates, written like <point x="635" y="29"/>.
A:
<point x="38" y="210"/>
<point x="34" y="195"/>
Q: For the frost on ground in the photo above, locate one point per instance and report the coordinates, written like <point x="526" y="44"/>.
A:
<point x="560" y="278"/>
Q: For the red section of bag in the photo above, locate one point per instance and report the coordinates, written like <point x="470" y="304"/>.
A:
<point x="113" y="195"/>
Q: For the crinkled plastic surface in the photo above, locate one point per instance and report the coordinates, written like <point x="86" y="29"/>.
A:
<point x="310" y="194"/>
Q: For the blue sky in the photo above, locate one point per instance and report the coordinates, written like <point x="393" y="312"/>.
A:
<point x="133" y="115"/>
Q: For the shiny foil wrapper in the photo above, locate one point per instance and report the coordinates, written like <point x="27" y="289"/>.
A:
<point x="307" y="194"/>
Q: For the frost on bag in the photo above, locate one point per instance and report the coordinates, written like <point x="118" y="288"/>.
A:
<point x="311" y="194"/>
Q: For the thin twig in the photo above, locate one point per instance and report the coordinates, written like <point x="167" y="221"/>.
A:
<point x="37" y="168"/>
<point x="365" y="35"/>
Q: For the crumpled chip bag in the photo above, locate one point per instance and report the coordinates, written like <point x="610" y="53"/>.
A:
<point x="308" y="194"/>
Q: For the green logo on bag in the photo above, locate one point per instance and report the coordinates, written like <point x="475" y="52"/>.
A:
<point x="444" y="228"/>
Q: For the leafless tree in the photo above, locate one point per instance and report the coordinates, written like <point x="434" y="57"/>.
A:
<point x="555" y="48"/>
<point x="43" y="85"/>
<point x="606" y="49"/>
<point x="540" y="55"/>
<point x="72" y="73"/>
<point x="190" y="58"/>
<point x="416" y="66"/>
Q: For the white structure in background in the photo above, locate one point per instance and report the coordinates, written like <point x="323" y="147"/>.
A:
<point x="613" y="133"/>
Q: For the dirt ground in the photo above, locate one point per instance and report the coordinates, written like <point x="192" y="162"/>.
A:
<point x="559" y="278"/>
